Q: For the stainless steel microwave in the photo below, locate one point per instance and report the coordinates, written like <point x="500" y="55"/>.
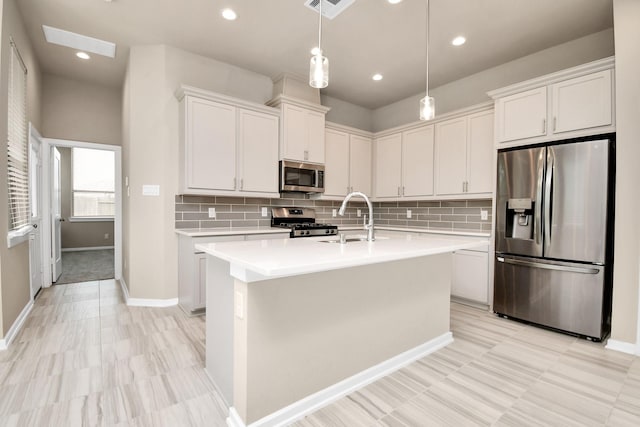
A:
<point x="303" y="177"/>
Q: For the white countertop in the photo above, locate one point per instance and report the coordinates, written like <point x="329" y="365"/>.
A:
<point x="229" y="231"/>
<point x="265" y="259"/>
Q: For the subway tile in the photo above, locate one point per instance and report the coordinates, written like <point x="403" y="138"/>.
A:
<point x="264" y="223"/>
<point x="188" y="207"/>
<point x="428" y="217"/>
<point x="419" y="211"/>
<point x="454" y="203"/>
<point x="486" y="227"/>
<point x="399" y="223"/>
<point x="418" y="223"/>
<point x="389" y="216"/>
<point x="195" y="216"/>
<point x="244" y="223"/>
<point x="408" y="204"/>
<point x="197" y="199"/>
<point x="230" y="215"/>
<point x="454" y="218"/>
<point x="226" y="200"/>
<point x="178" y="216"/>
<point x="429" y="204"/>
<point x="383" y="222"/>
<point x="257" y="201"/>
<point x="323" y="203"/>
<point x="441" y="211"/>
<point x="478" y="218"/>
<point x="187" y="224"/>
<point x="466" y="211"/>
<point x="388" y="204"/>
<point x="440" y="224"/>
<point x="398" y="210"/>
<point x="483" y="203"/>
<point x="245" y="208"/>
<point x="219" y="208"/>
<point x="178" y="198"/>
<point x="255" y="215"/>
<point x="214" y="224"/>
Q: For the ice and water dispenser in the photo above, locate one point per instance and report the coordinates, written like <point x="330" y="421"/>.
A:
<point x="519" y="224"/>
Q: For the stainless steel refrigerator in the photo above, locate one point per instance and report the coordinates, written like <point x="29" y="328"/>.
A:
<point x="554" y="217"/>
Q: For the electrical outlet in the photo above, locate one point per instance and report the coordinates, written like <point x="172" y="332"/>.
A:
<point x="484" y="215"/>
<point x="359" y="213"/>
<point x="334" y="213"/>
<point x="265" y="212"/>
<point x="212" y="212"/>
<point x="408" y="213"/>
<point x="239" y="305"/>
<point x="106" y="236"/>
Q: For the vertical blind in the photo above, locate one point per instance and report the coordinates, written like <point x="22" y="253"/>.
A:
<point x="17" y="158"/>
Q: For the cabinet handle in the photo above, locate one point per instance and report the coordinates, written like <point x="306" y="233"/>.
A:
<point x="234" y="183"/>
<point x="306" y="154"/>
<point x="398" y="190"/>
<point x="554" y="124"/>
<point x="241" y="183"/>
<point x="348" y="190"/>
<point x="544" y="125"/>
<point x="463" y="186"/>
<point x="403" y="190"/>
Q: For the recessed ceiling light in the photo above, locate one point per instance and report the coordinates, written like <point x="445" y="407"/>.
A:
<point x="79" y="42"/>
<point x="394" y="1"/>
<point x="82" y="55"/>
<point x="458" y="41"/>
<point x="377" y="77"/>
<point x="229" y="14"/>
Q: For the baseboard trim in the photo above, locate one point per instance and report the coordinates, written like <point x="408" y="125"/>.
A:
<point x="88" y="248"/>
<point x="301" y="408"/>
<point x="622" y="346"/>
<point x="145" y="302"/>
<point x="15" y="328"/>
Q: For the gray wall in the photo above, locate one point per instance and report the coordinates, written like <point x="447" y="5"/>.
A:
<point x="348" y="114"/>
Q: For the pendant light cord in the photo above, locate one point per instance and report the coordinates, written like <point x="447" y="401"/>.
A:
<point x="427" y="39"/>
<point x="320" y="30"/>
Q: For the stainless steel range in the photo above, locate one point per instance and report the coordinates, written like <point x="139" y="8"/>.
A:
<point x="301" y="222"/>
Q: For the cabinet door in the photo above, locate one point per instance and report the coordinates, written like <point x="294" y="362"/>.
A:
<point x="480" y="153"/>
<point x="258" y="142"/>
<point x="210" y="145"/>
<point x="522" y="115"/>
<point x="336" y="167"/>
<point x="451" y="156"/>
<point x="417" y="162"/>
<point x="581" y="103"/>
<point x="388" y="166"/>
<point x="360" y="164"/>
<point x="315" y="137"/>
<point x="470" y="278"/>
<point x="294" y="132"/>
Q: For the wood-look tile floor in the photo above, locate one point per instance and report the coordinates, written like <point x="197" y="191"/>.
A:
<point x="84" y="358"/>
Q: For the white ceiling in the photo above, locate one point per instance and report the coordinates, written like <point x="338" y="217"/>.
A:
<point x="274" y="36"/>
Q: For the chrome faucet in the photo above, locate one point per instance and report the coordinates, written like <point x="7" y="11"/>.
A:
<point x="369" y="226"/>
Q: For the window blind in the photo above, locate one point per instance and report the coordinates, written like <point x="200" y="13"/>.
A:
<point x="17" y="158"/>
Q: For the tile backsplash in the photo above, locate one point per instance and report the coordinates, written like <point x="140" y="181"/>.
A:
<point x="192" y="212"/>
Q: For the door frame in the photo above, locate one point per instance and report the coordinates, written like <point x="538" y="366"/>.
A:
<point x="35" y="139"/>
<point x="46" y="196"/>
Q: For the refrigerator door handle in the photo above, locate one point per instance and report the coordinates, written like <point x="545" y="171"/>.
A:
<point x="583" y="270"/>
<point x="537" y="222"/>
<point x="548" y="194"/>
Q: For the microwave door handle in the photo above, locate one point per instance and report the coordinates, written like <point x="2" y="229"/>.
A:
<point x="537" y="222"/>
<point x="548" y="194"/>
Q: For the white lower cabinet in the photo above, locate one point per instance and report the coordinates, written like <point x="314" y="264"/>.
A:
<point x="470" y="277"/>
<point x="192" y="267"/>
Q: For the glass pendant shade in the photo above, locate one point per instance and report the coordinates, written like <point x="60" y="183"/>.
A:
<point x="427" y="108"/>
<point x="319" y="71"/>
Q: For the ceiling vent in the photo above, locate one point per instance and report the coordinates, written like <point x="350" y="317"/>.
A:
<point x="330" y="8"/>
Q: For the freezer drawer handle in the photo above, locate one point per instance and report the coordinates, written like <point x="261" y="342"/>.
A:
<point x="585" y="270"/>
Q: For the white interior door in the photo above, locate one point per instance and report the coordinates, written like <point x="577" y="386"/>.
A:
<point x="56" y="216"/>
<point x="35" y="193"/>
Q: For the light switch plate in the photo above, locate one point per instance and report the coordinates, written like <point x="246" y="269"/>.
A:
<point x="265" y="212"/>
<point x="484" y="215"/>
<point x="408" y="213"/>
<point x="150" y="190"/>
<point x="334" y="213"/>
<point x="358" y="213"/>
<point x="239" y="305"/>
<point x="212" y="212"/>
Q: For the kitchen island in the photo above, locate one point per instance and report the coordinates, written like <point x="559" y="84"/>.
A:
<point x="293" y="324"/>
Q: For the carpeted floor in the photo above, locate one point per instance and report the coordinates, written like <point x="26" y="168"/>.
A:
<point x="86" y="266"/>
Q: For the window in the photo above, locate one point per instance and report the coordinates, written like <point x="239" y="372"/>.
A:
<point x="93" y="185"/>
<point x="17" y="149"/>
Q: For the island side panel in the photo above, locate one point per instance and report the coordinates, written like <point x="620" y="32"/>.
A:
<point x="304" y="333"/>
<point x="219" y="330"/>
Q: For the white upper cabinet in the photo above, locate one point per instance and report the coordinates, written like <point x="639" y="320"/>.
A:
<point x="336" y="168"/>
<point x="522" y="115"/>
<point x="227" y="146"/>
<point x="417" y="162"/>
<point x="388" y="166"/>
<point x="348" y="162"/>
<point x="464" y="155"/>
<point x="570" y="103"/>
<point x="581" y="103"/>
<point x="302" y="135"/>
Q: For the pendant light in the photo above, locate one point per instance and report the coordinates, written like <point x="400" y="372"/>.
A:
<point x="319" y="66"/>
<point x="427" y="104"/>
